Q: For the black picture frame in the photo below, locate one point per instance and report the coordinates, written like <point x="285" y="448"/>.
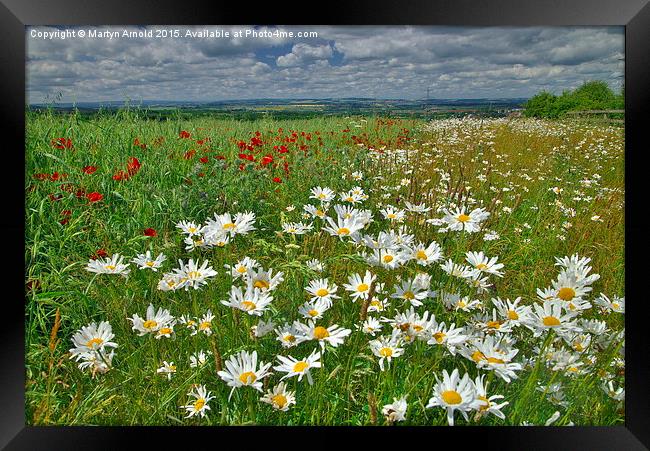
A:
<point x="16" y="14"/>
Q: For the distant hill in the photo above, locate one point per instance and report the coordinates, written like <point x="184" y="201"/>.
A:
<point x="301" y="107"/>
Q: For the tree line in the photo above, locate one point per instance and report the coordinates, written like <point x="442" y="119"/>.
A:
<point x="592" y="95"/>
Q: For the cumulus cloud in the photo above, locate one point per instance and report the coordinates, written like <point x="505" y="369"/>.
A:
<point x="341" y="61"/>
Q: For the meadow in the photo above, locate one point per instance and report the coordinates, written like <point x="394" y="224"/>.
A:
<point x="384" y="271"/>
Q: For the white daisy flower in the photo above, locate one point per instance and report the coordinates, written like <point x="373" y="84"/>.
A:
<point x="454" y="393"/>
<point x="200" y="403"/>
<point x="198" y="359"/>
<point x="333" y="335"/>
<point x="153" y="321"/>
<point x="396" y="411"/>
<point x="358" y="286"/>
<point x="279" y="397"/>
<point x="252" y="301"/>
<point x="145" y="261"/>
<point x="387" y="347"/>
<point x="322" y="194"/>
<point x="483" y="264"/>
<point x="300" y="368"/>
<point x="242" y="370"/>
<point x="321" y="289"/>
<point x="109" y="265"/>
<point x="167" y="369"/>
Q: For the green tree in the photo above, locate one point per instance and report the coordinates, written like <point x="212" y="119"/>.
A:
<point x="591" y="95"/>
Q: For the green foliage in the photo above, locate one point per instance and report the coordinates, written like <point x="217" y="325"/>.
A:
<point x="592" y="95"/>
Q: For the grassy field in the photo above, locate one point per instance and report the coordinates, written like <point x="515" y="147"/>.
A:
<point x="120" y="184"/>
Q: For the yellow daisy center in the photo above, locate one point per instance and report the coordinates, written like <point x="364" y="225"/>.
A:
<point x="299" y="367"/>
<point x="229" y="226"/>
<point x="205" y="325"/>
<point x="313" y="313"/>
<point x="262" y="284"/>
<point x="150" y="263"/>
<point x="191" y="229"/>
<point x="289" y="338"/>
<point x="343" y="231"/>
<point x="199" y="403"/>
<point x="110" y="267"/>
<point x="248" y="305"/>
<point x="409" y="295"/>
<point x="477" y="356"/>
<point x="481" y="266"/>
<point x="551" y="321"/>
<point x="320" y="333"/>
<point x="95" y="341"/>
<point x="387" y="258"/>
<point x="362" y="287"/>
<point x="322" y="292"/>
<point x="241" y="269"/>
<point x="386" y="352"/>
<point x="165" y="331"/>
<point x="512" y="315"/>
<point x="493" y="324"/>
<point x="487" y="402"/>
<point x="439" y="336"/>
<point x="391" y="216"/>
<point x="149" y="324"/>
<point x="494" y="360"/>
<point x="451" y="397"/>
<point x="193" y="275"/>
<point x="566" y="293"/>
<point x="463" y="218"/>
<point x="279" y="400"/>
<point x="421" y="255"/>
<point x="247" y="378"/>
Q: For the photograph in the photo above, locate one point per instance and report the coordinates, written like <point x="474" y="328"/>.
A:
<point x="325" y="225"/>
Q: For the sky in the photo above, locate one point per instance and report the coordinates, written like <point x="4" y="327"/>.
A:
<point x="333" y="62"/>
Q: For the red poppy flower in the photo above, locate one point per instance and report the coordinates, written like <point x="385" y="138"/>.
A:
<point x="267" y="159"/>
<point x="184" y="134"/>
<point x="41" y="176"/>
<point x="277" y="180"/>
<point x="99" y="253"/>
<point x="189" y="154"/>
<point x="136" y="142"/>
<point x="121" y="175"/>
<point x="64" y="221"/>
<point x="66" y="213"/>
<point x="204" y="159"/>
<point x="133" y="166"/>
<point x="220" y="157"/>
<point x="89" y="169"/>
<point x="62" y="143"/>
<point x="94" y="196"/>
<point x="150" y="232"/>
